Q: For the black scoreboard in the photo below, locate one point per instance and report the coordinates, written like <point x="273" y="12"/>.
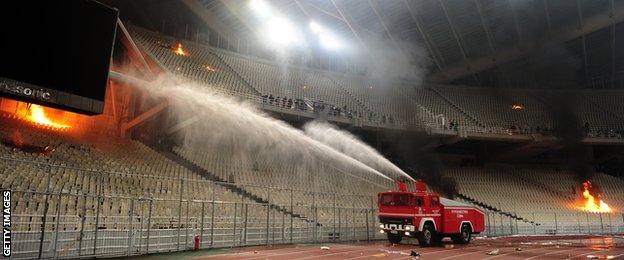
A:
<point x="57" y="53"/>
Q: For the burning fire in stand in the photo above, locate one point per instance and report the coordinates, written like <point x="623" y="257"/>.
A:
<point x="37" y="114"/>
<point x="179" y="50"/>
<point x="591" y="202"/>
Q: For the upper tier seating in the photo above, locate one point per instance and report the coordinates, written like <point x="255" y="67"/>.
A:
<point x="398" y="103"/>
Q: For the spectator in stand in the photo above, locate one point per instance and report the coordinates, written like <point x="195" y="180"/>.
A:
<point x="284" y="102"/>
<point x="587" y="128"/>
<point x="271" y="99"/>
<point x="290" y="103"/>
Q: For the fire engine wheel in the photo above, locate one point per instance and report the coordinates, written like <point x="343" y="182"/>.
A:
<point x="394" y="238"/>
<point x="465" y="236"/>
<point x="427" y="236"/>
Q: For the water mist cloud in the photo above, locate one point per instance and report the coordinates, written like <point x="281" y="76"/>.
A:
<point x="247" y="140"/>
<point x="350" y="145"/>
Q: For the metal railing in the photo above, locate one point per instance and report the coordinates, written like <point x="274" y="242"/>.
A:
<point x="61" y="211"/>
<point x="555" y="223"/>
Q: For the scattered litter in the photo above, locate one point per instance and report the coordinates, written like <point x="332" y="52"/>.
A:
<point x="508" y="243"/>
<point x="493" y="252"/>
<point x="610" y="257"/>
<point x="449" y="246"/>
<point x="592" y="257"/>
<point x="379" y="255"/>
<point x="557" y="246"/>
<point x="414" y="253"/>
<point x="394" y="252"/>
<point x="518" y="249"/>
<point x="255" y="251"/>
<point x="324" y="248"/>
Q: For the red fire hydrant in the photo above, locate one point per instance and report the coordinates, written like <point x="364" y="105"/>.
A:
<point x="196" y="246"/>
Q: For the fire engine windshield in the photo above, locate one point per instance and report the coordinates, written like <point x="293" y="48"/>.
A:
<point x="395" y="200"/>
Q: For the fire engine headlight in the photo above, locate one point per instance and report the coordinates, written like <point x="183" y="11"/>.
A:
<point x="407" y="233"/>
<point x="408" y="228"/>
<point x="381" y="225"/>
<point x="381" y="231"/>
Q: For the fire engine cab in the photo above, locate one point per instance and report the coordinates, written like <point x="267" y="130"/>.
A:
<point x="427" y="216"/>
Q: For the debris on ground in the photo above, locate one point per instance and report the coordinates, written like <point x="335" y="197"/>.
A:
<point x="449" y="246"/>
<point x="518" y="249"/>
<point x="414" y="253"/>
<point x="255" y="251"/>
<point x="494" y="252"/>
<point x="324" y="248"/>
<point x="394" y="252"/>
<point x="592" y="257"/>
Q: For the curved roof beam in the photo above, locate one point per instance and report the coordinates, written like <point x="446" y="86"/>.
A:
<point x="590" y="24"/>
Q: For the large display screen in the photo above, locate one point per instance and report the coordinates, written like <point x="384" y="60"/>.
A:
<point x="57" y="53"/>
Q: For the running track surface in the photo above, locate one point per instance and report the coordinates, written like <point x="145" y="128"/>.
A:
<point x="517" y="247"/>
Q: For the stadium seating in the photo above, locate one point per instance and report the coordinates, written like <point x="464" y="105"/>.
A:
<point x="394" y="102"/>
<point x="123" y="169"/>
<point x="536" y="193"/>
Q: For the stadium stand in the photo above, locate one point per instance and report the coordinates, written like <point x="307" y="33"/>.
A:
<point x="396" y="103"/>
<point x="545" y="196"/>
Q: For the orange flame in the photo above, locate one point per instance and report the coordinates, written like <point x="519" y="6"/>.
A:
<point x="592" y="203"/>
<point x="210" y="68"/>
<point x="37" y="114"/>
<point x="179" y="50"/>
<point x="517" y="106"/>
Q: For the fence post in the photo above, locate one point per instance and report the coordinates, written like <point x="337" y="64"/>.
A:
<point x="534" y="224"/>
<point x="313" y="213"/>
<point x="149" y="225"/>
<point x="494" y="223"/>
<point x="367" y="226"/>
<point x="587" y="219"/>
<point x="354" y="225"/>
<point x="180" y="212"/>
<point x="601" y="224"/>
<point x="212" y="219"/>
<point x="245" y="226"/>
<point x="130" y="228"/>
<point x="334" y="217"/>
<point x="487" y="223"/>
<point x="372" y="201"/>
<point x="556" y="224"/>
<point x="610" y="225"/>
<point x="283" y="226"/>
<point x="82" y="223"/>
<point x="201" y="222"/>
<point x="97" y="216"/>
<point x="45" y="212"/>
<point x="517" y="231"/>
<point x="268" y="215"/>
<point x="292" y="212"/>
<point x="56" y="229"/>
<point x="234" y="230"/>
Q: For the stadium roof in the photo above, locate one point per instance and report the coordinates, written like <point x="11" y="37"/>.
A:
<point x="475" y="42"/>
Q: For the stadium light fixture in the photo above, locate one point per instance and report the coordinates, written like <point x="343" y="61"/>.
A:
<point x="281" y="32"/>
<point x="260" y="7"/>
<point x="326" y="39"/>
<point x="315" y="27"/>
<point x="330" y="42"/>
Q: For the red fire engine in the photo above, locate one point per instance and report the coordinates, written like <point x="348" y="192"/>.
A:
<point x="427" y="216"/>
